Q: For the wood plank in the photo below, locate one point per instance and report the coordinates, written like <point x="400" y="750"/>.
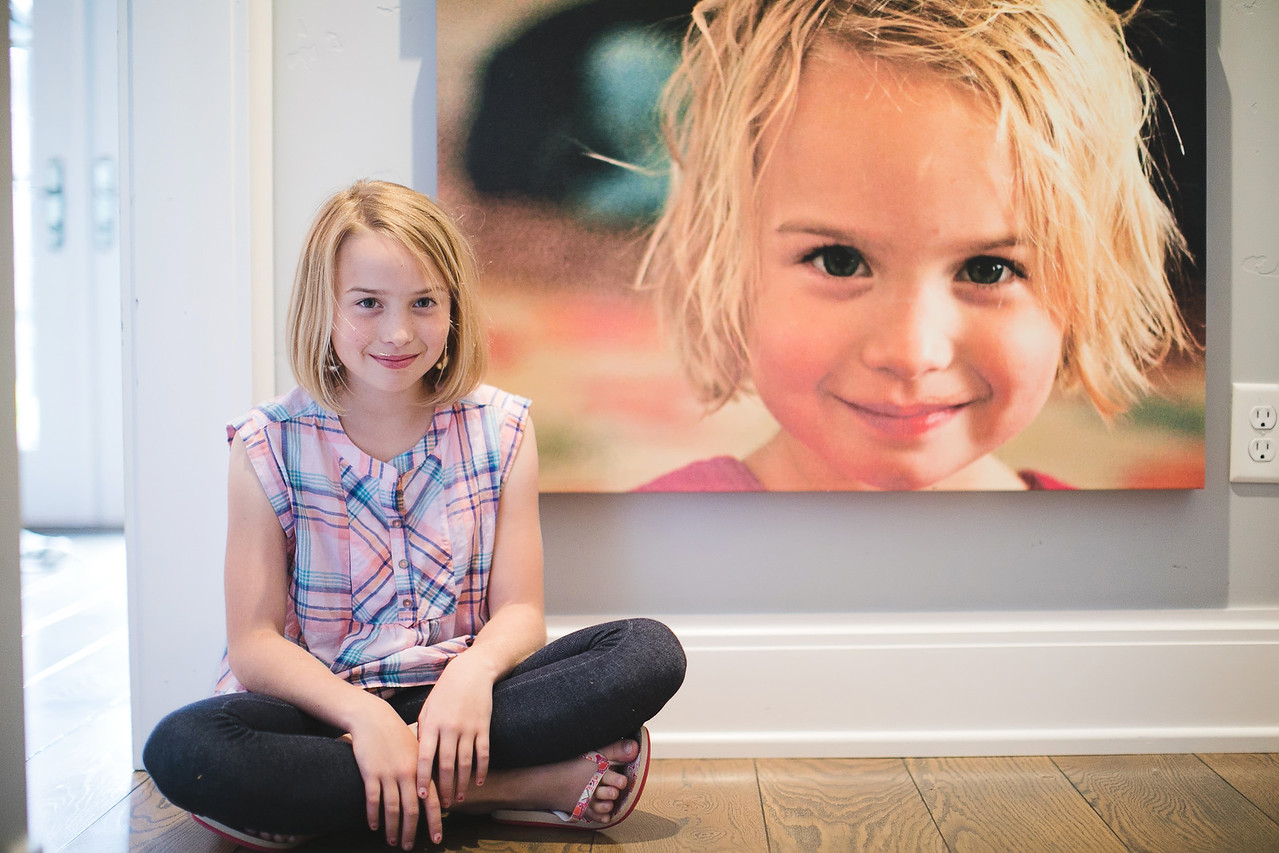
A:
<point x="1255" y="775"/>
<point x="465" y="834"/>
<point x="46" y="647"/>
<point x="867" y="804"/>
<point x="78" y="779"/>
<point x="93" y="569"/>
<point x="146" y="822"/>
<point x="692" y="805"/>
<point x="60" y="704"/>
<point x="110" y="832"/>
<point x="1009" y="803"/>
<point x="1169" y="803"/>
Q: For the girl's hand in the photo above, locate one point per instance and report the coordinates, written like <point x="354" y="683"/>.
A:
<point x="434" y="813"/>
<point x="385" y="750"/>
<point x="453" y="730"/>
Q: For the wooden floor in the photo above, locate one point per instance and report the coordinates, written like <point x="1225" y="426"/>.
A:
<point x="85" y="798"/>
<point x="1157" y="803"/>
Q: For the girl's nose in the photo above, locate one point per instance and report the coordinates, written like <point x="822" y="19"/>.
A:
<point x="395" y="329"/>
<point x="911" y="335"/>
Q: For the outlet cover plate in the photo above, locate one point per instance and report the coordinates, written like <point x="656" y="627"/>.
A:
<point x="1245" y="399"/>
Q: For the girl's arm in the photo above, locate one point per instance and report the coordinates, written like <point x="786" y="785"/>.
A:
<point x="264" y="661"/>
<point x="453" y="727"/>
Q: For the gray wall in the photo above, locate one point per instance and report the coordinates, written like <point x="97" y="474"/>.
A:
<point x="901" y="551"/>
<point x="829" y="552"/>
<point x="1044" y="551"/>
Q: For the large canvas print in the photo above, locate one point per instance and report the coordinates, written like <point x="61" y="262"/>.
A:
<point x="855" y="245"/>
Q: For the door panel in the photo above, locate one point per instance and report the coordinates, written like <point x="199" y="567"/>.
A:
<point x="71" y="449"/>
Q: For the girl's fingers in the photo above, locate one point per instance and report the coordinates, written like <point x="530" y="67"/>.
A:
<point x="372" y="802"/>
<point x="425" y="764"/>
<point x="445" y="760"/>
<point x="481" y="758"/>
<point x="408" y="815"/>
<point x="464" y="753"/>
<point x="391" y="813"/>
<point x="434" y="819"/>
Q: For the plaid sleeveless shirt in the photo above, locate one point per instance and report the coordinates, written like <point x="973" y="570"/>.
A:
<point x="388" y="561"/>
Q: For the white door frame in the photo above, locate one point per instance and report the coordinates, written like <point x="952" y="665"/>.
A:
<point x="195" y="231"/>
<point x="13" y="781"/>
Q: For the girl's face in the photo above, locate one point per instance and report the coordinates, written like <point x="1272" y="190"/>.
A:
<point x="391" y="319"/>
<point x="895" y="335"/>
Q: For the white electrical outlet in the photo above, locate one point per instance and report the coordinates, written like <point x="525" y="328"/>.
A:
<point x="1254" y="440"/>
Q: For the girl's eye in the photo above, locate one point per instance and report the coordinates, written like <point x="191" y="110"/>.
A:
<point x="838" y="261"/>
<point x="424" y="302"/>
<point x="987" y="270"/>
<point x="366" y="302"/>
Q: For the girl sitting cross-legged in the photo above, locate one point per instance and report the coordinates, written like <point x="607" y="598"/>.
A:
<point x="386" y="653"/>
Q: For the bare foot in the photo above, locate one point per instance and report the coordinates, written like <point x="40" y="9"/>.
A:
<point x="553" y="786"/>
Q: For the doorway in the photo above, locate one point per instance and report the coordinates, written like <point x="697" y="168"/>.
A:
<point x="69" y="392"/>
<point x="67" y="263"/>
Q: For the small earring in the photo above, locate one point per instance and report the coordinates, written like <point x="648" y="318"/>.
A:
<point x="444" y="359"/>
<point x="331" y="363"/>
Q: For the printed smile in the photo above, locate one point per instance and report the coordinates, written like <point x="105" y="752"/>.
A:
<point x="905" y="421"/>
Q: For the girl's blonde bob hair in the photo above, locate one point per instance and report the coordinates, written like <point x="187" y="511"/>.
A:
<point x="1070" y="102"/>
<point x="417" y="224"/>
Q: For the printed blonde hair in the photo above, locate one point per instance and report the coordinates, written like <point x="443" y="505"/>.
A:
<point x="417" y="224"/>
<point x="1070" y="101"/>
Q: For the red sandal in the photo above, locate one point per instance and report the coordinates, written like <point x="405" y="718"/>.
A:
<point x="636" y="773"/>
<point x="243" y="839"/>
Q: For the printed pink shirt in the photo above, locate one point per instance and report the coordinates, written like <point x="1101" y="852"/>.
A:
<point x="388" y="561"/>
<point x="727" y="474"/>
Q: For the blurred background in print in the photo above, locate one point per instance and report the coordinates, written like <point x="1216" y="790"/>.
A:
<point x="551" y="156"/>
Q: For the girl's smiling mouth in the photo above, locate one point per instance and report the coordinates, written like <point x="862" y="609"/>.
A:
<point x="909" y="421"/>
<point x="394" y="362"/>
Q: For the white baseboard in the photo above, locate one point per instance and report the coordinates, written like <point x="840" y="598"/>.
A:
<point x="972" y="684"/>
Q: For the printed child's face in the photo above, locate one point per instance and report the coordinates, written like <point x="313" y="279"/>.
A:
<point x="895" y="336"/>
<point x="391" y="320"/>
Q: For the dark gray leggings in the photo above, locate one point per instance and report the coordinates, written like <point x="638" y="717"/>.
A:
<point x="253" y="761"/>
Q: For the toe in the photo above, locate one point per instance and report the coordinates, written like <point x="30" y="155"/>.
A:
<point x="621" y="752"/>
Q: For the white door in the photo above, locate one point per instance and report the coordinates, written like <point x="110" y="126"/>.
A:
<point x="67" y="265"/>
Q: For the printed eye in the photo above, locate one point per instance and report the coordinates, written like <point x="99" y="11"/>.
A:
<point x="838" y="261"/>
<point x="986" y="270"/>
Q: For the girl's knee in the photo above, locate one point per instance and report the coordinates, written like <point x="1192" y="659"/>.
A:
<point x="662" y="650"/>
<point x="184" y="750"/>
<point x="165" y="759"/>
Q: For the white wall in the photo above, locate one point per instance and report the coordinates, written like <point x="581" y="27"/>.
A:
<point x="361" y="62"/>
<point x="186" y="228"/>
<point x="1243" y="223"/>
<point x="1093" y="588"/>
